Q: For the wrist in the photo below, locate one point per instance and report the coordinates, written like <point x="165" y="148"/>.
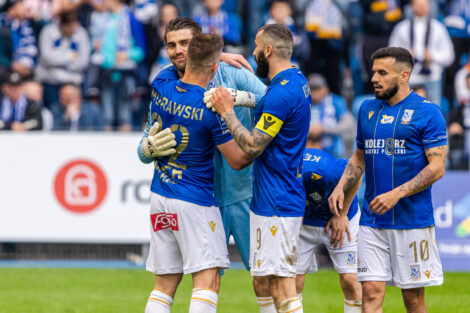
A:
<point x="227" y="113"/>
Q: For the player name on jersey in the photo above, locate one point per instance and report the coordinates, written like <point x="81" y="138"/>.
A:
<point x="174" y="108"/>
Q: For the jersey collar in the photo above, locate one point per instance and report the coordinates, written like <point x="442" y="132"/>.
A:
<point x="280" y="76"/>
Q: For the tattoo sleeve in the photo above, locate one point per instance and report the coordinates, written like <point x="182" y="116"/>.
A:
<point x="252" y="143"/>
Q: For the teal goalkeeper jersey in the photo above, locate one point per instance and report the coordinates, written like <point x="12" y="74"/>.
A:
<point x="284" y="114"/>
<point x="188" y="174"/>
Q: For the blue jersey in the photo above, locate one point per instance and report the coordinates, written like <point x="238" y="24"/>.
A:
<point x="321" y="173"/>
<point x="284" y="114"/>
<point x="394" y="139"/>
<point x="188" y="174"/>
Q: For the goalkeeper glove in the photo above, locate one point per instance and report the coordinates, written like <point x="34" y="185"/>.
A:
<point x="240" y="98"/>
<point x="158" y="144"/>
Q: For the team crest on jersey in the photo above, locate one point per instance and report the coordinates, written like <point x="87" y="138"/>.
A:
<point x="351" y="258"/>
<point x="212" y="84"/>
<point x="306" y="90"/>
<point x="407" y="115"/>
<point x="316" y="197"/>
<point x="371" y="113"/>
<point x="387" y="119"/>
<point x="415" y="272"/>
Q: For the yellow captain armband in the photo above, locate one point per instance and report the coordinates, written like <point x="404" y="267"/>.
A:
<point x="269" y="124"/>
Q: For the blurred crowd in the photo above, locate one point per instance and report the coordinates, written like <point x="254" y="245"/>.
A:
<point x="87" y="64"/>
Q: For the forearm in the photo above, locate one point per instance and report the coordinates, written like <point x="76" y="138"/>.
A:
<point x="428" y="176"/>
<point x="249" y="142"/>
<point x="353" y="172"/>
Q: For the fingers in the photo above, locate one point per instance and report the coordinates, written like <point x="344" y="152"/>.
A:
<point x="336" y="203"/>
<point x="164" y="134"/>
<point x="245" y="63"/>
<point x="348" y="232"/>
<point x="208" y="95"/>
<point x="327" y="227"/>
<point x="154" y="129"/>
<point x="168" y="152"/>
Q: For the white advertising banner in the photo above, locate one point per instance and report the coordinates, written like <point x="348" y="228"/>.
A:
<point x="69" y="187"/>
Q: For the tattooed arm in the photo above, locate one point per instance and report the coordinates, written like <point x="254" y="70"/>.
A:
<point x="252" y="142"/>
<point x="351" y="175"/>
<point x="428" y="176"/>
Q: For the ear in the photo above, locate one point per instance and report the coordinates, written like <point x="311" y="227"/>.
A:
<point x="214" y="68"/>
<point x="268" y="51"/>
<point x="405" y="75"/>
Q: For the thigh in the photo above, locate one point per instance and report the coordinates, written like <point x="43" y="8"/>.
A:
<point x="273" y="245"/>
<point x="164" y="255"/>
<point x="308" y="241"/>
<point x="373" y="254"/>
<point x="200" y="235"/>
<point x="415" y="258"/>
<point x="345" y="258"/>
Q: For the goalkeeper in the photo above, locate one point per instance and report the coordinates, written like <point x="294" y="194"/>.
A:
<point x="233" y="189"/>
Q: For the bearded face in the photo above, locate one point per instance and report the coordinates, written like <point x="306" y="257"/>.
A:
<point x="262" y="69"/>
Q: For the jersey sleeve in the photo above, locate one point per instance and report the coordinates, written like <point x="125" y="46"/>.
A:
<point x="275" y="113"/>
<point x="218" y="129"/>
<point x="359" y="137"/>
<point x="434" y="133"/>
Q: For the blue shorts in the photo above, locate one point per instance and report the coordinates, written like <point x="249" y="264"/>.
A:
<point x="236" y="219"/>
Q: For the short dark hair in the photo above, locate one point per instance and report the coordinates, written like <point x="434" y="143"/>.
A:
<point x="401" y="55"/>
<point x="68" y="17"/>
<point x="204" y="50"/>
<point x="179" y="23"/>
<point x="280" y="37"/>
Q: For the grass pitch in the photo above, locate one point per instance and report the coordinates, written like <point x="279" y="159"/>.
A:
<point x="122" y="291"/>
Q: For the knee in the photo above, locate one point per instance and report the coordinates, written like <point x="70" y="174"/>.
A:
<point x="371" y="293"/>
<point x="413" y="299"/>
<point x="351" y="287"/>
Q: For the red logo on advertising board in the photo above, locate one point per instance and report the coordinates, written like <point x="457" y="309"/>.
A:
<point x="80" y="186"/>
<point x="161" y="221"/>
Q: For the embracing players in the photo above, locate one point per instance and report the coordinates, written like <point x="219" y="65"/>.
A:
<point x="187" y="234"/>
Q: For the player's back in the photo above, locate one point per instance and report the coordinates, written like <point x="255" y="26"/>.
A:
<point x="188" y="174"/>
<point x="283" y="113"/>
<point x="321" y="173"/>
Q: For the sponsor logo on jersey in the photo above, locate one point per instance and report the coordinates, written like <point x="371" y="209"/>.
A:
<point x="273" y="230"/>
<point x="351" y="258"/>
<point x="80" y="186"/>
<point x="285" y="81"/>
<point x="362" y="269"/>
<point x="427" y="273"/>
<point x="259" y="263"/>
<point x="212" y="225"/>
<point x="180" y="89"/>
<point x="387" y="146"/>
<point x="387" y="119"/>
<point x="371" y="113"/>
<point x="316" y="197"/>
<point x="407" y="115"/>
<point x="269" y="124"/>
<point x="415" y="272"/>
<point x="162" y="221"/>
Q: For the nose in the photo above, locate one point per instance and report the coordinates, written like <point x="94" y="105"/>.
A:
<point x="374" y="78"/>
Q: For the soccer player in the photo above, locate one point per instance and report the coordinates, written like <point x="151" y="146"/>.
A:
<point x="233" y="189"/>
<point x="401" y="146"/>
<point x="321" y="172"/>
<point x="277" y="142"/>
<point x="187" y="235"/>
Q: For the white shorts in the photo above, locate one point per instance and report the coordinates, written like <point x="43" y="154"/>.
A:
<point x="406" y="258"/>
<point x="344" y="259"/>
<point x="185" y="237"/>
<point x="274" y="241"/>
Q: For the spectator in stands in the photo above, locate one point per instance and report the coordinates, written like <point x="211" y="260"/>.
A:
<point x="330" y="118"/>
<point x="324" y="26"/>
<point x="71" y="113"/>
<point x="380" y="16"/>
<point x="20" y="51"/>
<point x="118" y="47"/>
<point x="462" y="92"/>
<point x="428" y="41"/>
<point x="17" y="112"/>
<point x="280" y="12"/>
<point x="214" y="20"/>
<point x="457" y="21"/>
<point x="64" y="55"/>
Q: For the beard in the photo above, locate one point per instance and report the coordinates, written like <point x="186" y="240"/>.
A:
<point x="387" y="93"/>
<point x="262" y="68"/>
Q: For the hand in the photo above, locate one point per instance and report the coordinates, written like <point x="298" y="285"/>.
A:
<point x="427" y="56"/>
<point x="384" y="202"/>
<point x="236" y="60"/>
<point x="158" y="144"/>
<point x="336" y="200"/>
<point x="222" y="101"/>
<point x="240" y="98"/>
<point x="121" y="56"/>
<point x="339" y="226"/>
<point x="19" y="68"/>
<point x="17" y="126"/>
